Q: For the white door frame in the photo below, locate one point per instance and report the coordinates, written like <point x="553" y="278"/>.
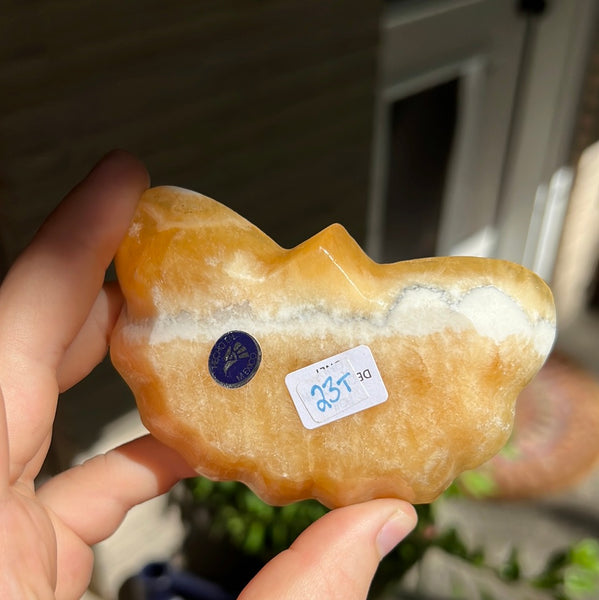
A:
<point x="536" y="140"/>
<point x="545" y="114"/>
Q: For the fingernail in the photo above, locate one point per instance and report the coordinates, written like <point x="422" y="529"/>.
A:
<point x="395" y="529"/>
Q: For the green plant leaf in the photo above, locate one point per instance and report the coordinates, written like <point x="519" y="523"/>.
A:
<point x="511" y="571"/>
<point x="585" y="554"/>
<point x="479" y="484"/>
<point x="254" y="538"/>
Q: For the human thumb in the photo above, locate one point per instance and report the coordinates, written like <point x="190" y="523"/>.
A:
<point x="337" y="556"/>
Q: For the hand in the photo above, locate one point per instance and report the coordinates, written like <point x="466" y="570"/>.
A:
<point x="56" y="315"/>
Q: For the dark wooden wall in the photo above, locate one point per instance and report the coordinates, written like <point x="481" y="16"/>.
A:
<point x="265" y="105"/>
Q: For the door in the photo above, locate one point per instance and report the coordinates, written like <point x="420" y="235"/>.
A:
<point x="448" y="80"/>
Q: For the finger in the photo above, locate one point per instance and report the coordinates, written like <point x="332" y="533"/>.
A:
<point x="31" y="470"/>
<point x="4" y="460"/>
<point x="74" y="563"/>
<point x="336" y="557"/>
<point x="109" y="485"/>
<point x="48" y="293"/>
<point x="91" y="342"/>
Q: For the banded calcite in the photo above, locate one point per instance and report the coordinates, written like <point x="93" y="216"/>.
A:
<point x="316" y="372"/>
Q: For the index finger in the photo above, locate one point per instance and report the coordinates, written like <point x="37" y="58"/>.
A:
<point x="51" y="288"/>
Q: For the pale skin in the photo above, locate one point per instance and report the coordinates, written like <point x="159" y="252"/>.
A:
<point x="56" y="315"/>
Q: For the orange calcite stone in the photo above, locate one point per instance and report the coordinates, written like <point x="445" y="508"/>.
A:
<point x="452" y="341"/>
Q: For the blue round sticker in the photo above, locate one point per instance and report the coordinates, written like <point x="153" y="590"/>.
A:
<point x="234" y="359"/>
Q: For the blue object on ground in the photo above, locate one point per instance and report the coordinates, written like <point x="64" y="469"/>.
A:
<point x="160" y="581"/>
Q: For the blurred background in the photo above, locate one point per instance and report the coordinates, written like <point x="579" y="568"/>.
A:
<point x="426" y="127"/>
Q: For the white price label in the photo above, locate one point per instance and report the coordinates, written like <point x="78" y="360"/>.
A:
<point x="336" y="387"/>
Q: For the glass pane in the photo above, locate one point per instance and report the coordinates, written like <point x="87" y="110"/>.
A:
<point x="422" y="131"/>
